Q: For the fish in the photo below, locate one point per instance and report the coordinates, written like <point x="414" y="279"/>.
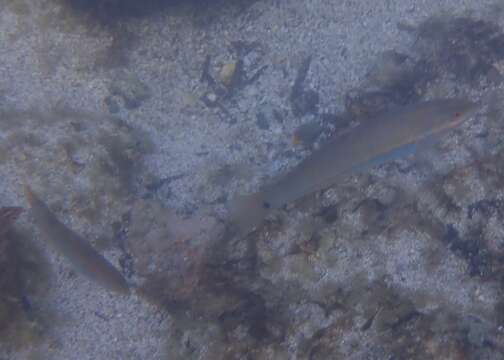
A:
<point x="84" y="258"/>
<point x="386" y="137"/>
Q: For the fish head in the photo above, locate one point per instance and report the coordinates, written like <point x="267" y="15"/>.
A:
<point x="433" y="118"/>
<point x="450" y="113"/>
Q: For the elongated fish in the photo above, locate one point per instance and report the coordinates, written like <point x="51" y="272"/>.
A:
<point x="385" y="138"/>
<point x="78" y="251"/>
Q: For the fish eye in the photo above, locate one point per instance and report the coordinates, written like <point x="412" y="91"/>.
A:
<point x="457" y="115"/>
<point x="266" y="205"/>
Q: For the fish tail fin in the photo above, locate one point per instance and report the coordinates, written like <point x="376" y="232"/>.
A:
<point x="248" y="211"/>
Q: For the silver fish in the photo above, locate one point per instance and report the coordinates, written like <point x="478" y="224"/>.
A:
<point x="78" y="251"/>
<point x="388" y="136"/>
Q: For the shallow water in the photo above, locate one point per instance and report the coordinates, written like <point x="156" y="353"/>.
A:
<point x="138" y="125"/>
